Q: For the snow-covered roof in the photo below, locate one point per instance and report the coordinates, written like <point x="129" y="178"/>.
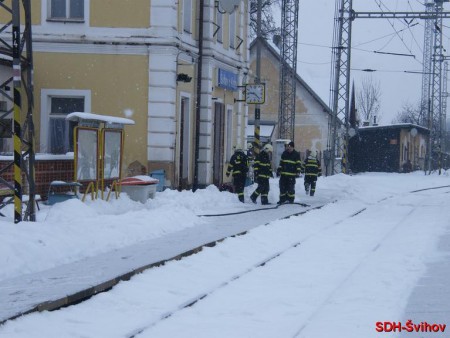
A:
<point x="265" y="130"/>
<point x="396" y="126"/>
<point x="77" y="116"/>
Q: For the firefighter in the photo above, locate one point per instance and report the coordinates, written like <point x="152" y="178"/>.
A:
<point x="312" y="170"/>
<point x="262" y="171"/>
<point x="239" y="167"/>
<point x="289" y="169"/>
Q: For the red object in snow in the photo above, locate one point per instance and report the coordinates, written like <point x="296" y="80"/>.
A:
<point x="138" y="181"/>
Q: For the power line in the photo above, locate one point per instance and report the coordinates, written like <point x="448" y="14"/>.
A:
<point x="396" y="54"/>
<point x="380" y="4"/>
<point x="384" y="36"/>
<point x="315" y="63"/>
<point x="355" y="48"/>
<point x="371" y="70"/>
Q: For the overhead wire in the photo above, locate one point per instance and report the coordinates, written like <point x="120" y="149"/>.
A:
<point x="380" y="5"/>
<point x="417" y="23"/>
<point x="353" y="48"/>
<point x="396" y="32"/>
<point x="371" y="70"/>
<point x="384" y="36"/>
<point x="388" y="42"/>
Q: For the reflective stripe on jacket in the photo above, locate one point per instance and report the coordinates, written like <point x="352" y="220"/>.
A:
<point x="290" y="164"/>
<point x="262" y="165"/>
<point x="238" y="164"/>
<point x="312" y="166"/>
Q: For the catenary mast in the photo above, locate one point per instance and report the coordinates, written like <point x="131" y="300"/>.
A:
<point x="16" y="52"/>
<point x="340" y="84"/>
<point x="431" y="101"/>
<point x="288" y="71"/>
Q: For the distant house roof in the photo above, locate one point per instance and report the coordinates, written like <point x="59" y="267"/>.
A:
<point x="298" y="77"/>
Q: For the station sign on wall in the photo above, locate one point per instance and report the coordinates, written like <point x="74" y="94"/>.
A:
<point x="227" y="80"/>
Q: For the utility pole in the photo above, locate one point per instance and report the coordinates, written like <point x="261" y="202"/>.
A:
<point x="288" y="71"/>
<point x="198" y="95"/>
<point x="435" y="114"/>
<point x="341" y="73"/>
<point x="443" y="118"/>
<point x="22" y="82"/>
<point x="444" y="106"/>
<point x="340" y="86"/>
<point x="258" y="77"/>
<point x="17" y="129"/>
<point x="426" y="76"/>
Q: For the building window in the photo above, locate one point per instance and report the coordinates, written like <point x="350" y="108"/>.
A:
<point x="62" y="10"/>
<point x="61" y="130"/>
<point x="232" y="30"/>
<point x="6" y="128"/>
<point x="56" y="131"/>
<point x="187" y="16"/>
<point x="219" y="25"/>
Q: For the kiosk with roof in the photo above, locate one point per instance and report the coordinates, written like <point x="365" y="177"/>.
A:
<point x="98" y="151"/>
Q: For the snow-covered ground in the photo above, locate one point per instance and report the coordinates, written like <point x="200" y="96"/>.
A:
<point x="332" y="272"/>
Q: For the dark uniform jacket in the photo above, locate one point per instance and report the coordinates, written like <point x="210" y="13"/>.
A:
<point x="290" y="164"/>
<point x="312" y="167"/>
<point x="262" y="166"/>
<point x="238" y="164"/>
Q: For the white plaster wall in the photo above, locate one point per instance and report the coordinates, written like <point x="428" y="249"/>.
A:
<point x="162" y="104"/>
<point x="206" y="124"/>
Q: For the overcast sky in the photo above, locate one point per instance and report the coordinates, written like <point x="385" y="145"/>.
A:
<point x="316" y="21"/>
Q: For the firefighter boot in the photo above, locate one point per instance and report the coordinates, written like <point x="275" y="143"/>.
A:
<point x="253" y="197"/>
<point x="264" y="200"/>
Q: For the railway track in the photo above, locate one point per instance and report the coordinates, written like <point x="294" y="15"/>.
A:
<point x="296" y="246"/>
<point x="193" y="301"/>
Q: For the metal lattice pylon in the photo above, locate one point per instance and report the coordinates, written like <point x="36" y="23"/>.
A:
<point x="16" y="50"/>
<point x="340" y="84"/>
<point x="426" y="76"/>
<point x="435" y="113"/>
<point x="288" y="71"/>
<point x="431" y="92"/>
<point x="444" y="108"/>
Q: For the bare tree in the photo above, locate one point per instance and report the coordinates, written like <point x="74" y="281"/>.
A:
<point x="268" y="26"/>
<point x="409" y="114"/>
<point x="368" y="99"/>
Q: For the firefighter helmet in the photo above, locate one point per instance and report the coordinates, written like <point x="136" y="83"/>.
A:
<point x="268" y="148"/>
